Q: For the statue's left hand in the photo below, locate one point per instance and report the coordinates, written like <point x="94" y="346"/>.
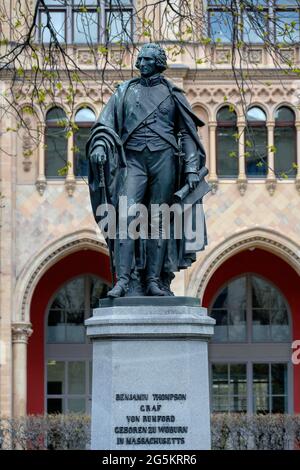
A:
<point x="192" y="180"/>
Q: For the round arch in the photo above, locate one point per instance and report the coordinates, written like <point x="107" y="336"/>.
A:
<point x="72" y="260"/>
<point x="34" y="270"/>
<point x="262" y="253"/>
<point x="264" y="239"/>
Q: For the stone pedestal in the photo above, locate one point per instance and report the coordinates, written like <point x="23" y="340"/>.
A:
<point x="150" y="374"/>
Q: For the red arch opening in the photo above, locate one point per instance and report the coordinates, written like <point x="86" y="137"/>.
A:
<point x="75" y="264"/>
<point x="277" y="271"/>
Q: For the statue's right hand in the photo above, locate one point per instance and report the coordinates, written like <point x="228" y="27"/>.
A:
<point x="98" y="155"/>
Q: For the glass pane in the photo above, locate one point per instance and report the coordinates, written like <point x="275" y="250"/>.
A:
<point x="264" y="295"/>
<point x="256" y="152"/>
<point x="279" y="405"/>
<point x="287" y="2"/>
<point x="85" y="115"/>
<point x="76" y="378"/>
<point x="58" y="24"/>
<point x="85" y="29"/>
<point x="284" y="114"/>
<point x="279" y="379"/>
<point x="75" y="329"/>
<point x="220" y="403"/>
<point x="254" y="27"/>
<point x="220" y="329"/>
<point x="261" y="388"/>
<point x="237" y="325"/>
<point x="279" y="317"/>
<point x="54" y="405"/>
<point x="280" y="329"/>
<point x="85" y="2"/>
<point x="56" y="331"/>
<point x="261" y="404"/>
<point x="76" y="405"/>
<point x="238" y="404"/>
<point x="287" y="26"/>
<point x="118" y="2"/>
<point x="71" y="295"/>
<point x="238" y="379"/>
<point x="261" y="325"/>
<point x="261" y="293"/>
<point x="55" y="377"/>
<point x="227" y="152"/>
<point x="237" y="294"/>
<point x="285" y="156"/>
<point x="220" y="379"/>
<point x="256" y="114"/>
<point x="80" y="161"/>
<point x="221" y="301"/>
<point x="225" y="115"/>
<point x="220" y="26"/>
<point x="118" y="26"/>
<point x="98" y="291"/>
<point x="56" y="151"/>
<point x="56" y="116"/>
<point x="57" y="3"/>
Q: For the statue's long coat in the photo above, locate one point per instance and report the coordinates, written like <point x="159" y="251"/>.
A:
<point x="109" y="130"/>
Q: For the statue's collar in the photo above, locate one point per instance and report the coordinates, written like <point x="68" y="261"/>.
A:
<point x="151" y="81"/>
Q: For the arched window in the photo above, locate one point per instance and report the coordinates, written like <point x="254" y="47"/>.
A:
<point x="84" y="120"/>
<point x="256" y="143"/>
<point x="250" y="350"/>
<point x="68" y="352"/>
<point x="227" y="143"/>
<point x="55" y="142"/>
<point x="285" y="143"/>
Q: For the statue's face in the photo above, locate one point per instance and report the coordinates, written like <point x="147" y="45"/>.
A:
<point x="148" y="63"/>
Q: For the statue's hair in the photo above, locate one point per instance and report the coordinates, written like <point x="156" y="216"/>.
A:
<point x="160" y="56"/>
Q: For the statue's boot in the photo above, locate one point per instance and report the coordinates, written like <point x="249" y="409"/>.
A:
<point x="165" y="282"/>
<point x="155" y="255"/>
<point x="126" y="248"/>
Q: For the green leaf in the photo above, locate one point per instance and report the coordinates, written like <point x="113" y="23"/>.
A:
<point x="64" y="170"/>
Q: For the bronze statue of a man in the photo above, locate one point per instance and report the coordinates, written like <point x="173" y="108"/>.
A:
<point x="145" y="146"/>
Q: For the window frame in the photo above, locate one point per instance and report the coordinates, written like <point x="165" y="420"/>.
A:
<point x="69" y="352"/>
<point x="226" y="124"/>
<point x="80" y="124"/>
<point x="101" y="8"/>
<point x="249" y="309"/>
<point x="52" y="125"/>
<point x="291" y="125"/>
<point x="249" y="362"/>
<point x="258" y="124"/>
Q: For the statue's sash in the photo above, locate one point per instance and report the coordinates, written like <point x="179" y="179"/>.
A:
<point x="144" y="109"/>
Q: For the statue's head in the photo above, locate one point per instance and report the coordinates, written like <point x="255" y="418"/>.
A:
<point x="151" y="59"/>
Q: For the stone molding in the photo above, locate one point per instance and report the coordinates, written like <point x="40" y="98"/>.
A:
<point x="21" y="332"/>
<point x="29" y="277"/>
<point x="242" y="185"/>
<point x="254" y="238"/>
<point x="271" y="184"/>
<point x="70" y="185"/>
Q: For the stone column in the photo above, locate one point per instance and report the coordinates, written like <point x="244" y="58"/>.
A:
<point x="298" y="156"/>
<point x="70" y="182"/>
<point x="242" y="178"/>
<point x="213" y="178"/>
<point x="271" y="177"/>
<point x="150" y="374"/>
<point x="20" y="334"/>
<point x="41" y="181"/>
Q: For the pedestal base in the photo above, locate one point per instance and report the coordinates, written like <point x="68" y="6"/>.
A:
<point x="150" y="375"/>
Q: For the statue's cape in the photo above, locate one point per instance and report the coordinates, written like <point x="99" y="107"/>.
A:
<point x="109" y="130"/>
